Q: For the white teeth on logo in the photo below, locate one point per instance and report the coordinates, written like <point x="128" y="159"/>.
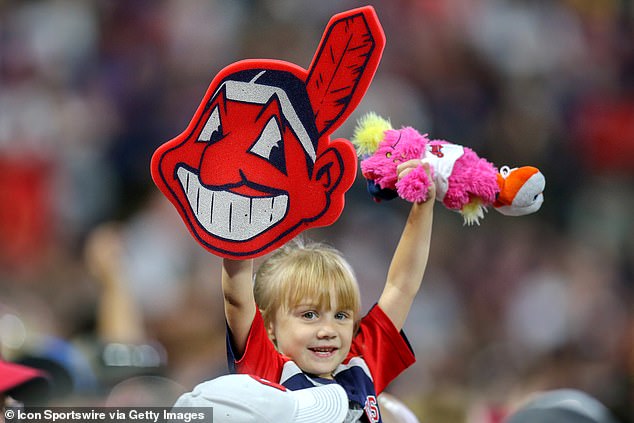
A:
<point x="228" y="215"/>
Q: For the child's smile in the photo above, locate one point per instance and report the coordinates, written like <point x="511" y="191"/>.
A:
<point x="323" y="352"/>
<point x="316" y="339"/>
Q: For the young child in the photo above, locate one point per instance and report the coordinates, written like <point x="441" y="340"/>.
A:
<point x="299" y="324"/>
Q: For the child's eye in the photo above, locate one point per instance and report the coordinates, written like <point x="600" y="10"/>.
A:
<point x="309" y="315"/>
<point x="342" y="315"/>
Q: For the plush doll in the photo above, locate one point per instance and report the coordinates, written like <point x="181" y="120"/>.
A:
<point x="464" y="182"/>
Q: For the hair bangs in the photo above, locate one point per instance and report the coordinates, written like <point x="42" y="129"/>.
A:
<point x="299" y="274"/>
<point x="322" y="281"/>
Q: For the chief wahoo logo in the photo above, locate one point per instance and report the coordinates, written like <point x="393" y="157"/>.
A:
<point x="256" y="165"/>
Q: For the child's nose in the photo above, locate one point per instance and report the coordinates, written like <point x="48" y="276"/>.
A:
<point x="326" y="331"/>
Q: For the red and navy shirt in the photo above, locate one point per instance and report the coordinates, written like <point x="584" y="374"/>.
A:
<point x="379" y="353"/>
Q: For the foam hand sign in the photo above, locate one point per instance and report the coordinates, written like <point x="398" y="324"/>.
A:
<point x="256" y="165"/>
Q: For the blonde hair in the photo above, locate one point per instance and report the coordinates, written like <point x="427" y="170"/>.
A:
<point x="299" y="271"/>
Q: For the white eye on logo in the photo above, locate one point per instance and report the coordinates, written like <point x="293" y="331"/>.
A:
<point x="213" y="129"/>
<point x="269" y="138"/>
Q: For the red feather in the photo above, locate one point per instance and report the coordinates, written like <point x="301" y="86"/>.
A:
<point x="342" y="69"/>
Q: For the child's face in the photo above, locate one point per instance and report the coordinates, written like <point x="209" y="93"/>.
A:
<point x="316" y="339"/>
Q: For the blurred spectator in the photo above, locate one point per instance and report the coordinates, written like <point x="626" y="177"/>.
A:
<point x="22" y="383"/>
<point x="124" y="348"/>
<point x="144" y="391"/>
<point x="561" y="406"/>
<point x="68" y="368"/>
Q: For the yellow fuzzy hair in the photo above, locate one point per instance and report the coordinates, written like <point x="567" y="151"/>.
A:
<point x="473" y="211"/>
<point x="369" y="133"/>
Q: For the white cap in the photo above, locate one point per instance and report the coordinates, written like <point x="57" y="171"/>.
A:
<point x="245" y="399"/>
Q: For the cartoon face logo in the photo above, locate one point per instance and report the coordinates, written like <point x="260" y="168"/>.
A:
<point x="256" y="165"/>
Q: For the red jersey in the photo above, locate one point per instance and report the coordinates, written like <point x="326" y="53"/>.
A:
<point x="379" y="353"/>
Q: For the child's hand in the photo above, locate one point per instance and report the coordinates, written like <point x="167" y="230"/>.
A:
<point x="419" y="186"/>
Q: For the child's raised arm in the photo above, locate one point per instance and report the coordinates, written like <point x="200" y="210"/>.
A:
<point x="237" y="288"/>
<point x="410" y="258"/>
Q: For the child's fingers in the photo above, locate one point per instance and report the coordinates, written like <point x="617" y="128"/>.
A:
<point x="426" y="166"/>
<point x="406" y="167"/>
<point x="432" y="187"/>
<point x="404" y="172"/>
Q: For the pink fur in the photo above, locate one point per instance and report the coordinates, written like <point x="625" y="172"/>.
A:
<point x="414" y="186"/>
<point x="472" y="176"/>
<point x="400" y="145"/>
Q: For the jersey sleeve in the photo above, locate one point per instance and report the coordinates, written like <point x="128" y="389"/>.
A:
<point x="260" y="357"/>
<point x="385" y="350"/>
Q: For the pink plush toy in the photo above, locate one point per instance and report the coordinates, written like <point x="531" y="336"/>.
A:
<point x="464" y="182"/>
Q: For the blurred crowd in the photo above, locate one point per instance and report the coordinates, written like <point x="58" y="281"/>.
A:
<point x="89" y="89"/>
